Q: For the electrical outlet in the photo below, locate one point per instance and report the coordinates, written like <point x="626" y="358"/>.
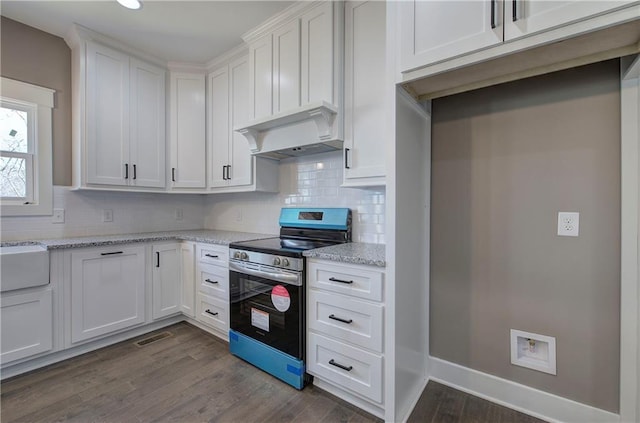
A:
<point x="239" y="215"/>
<point x="179" y="214"/>
<point x="568" y="224"/>
<point x="58" y="216"/>
<point x="107" y="215"/>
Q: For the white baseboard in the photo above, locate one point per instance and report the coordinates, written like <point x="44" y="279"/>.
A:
<point x="525" y="399"/>
<point x="414" y="401"/>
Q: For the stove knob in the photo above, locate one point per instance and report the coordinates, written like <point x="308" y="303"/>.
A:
<point x="285" y="262"/>
<point x="276" y="261"/>
<point x="236" y="255"/>
<point x="244" y="256"/>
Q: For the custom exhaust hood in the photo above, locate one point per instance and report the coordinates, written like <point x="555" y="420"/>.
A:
<point x="309" y="129"/>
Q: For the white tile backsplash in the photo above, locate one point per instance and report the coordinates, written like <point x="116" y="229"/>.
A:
<point x="311" y="181"/>
<point x="132" y="212"/>
<point x="308" y="181"/>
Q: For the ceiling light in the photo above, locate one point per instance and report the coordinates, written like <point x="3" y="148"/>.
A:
<point x="130" y="4"/>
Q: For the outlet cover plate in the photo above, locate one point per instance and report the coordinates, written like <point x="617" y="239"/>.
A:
<point x="107" y="215"/>
<point x="58" y="216"/>
<point x="568" y="224"/>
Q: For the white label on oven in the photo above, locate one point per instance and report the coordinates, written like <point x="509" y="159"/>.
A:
<point x="280" y="298"/>
<point x="260" y="319"/>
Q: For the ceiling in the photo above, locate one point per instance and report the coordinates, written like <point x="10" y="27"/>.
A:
<point x="183" y="31"/>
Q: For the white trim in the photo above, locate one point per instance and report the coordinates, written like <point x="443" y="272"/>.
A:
<point x="525" y="399"/>
<point x="630" y="240"/>
<point x="43" y="98"/>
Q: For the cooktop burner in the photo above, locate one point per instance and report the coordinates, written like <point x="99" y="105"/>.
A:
<point x="280" y="246"/>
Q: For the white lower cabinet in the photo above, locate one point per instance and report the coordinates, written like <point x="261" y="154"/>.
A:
<point x="106" y="290"/>
<point x="212" y="284"/>
<point x="213" y="312"/>
<point x="345" y="321"/>
<point x="27" y="324"/>
<point x="350" y="368"/>
<point x="166" y="286"/>
<point x="187" y="266"/>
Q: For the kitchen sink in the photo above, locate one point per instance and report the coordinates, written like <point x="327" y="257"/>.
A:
<point x="23" y="266"/>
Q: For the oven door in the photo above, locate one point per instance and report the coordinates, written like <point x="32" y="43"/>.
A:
<point x="267" y="305"/>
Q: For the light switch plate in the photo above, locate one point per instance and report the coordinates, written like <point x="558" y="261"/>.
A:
<point x="107" y="215"/>
<point x="568" y="224"/>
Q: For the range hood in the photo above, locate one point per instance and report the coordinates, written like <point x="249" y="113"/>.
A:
<point x="310" y="129"/>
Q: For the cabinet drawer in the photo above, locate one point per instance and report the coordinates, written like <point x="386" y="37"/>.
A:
<point x="346" y="366"/>
<point x="27" y="325"/>
<point x="213" y="254"/>
<point x="357" y="281"/>
<point x="214" y="281"/>
<point x="350" y="320"/>
<point x="213" y="312"/>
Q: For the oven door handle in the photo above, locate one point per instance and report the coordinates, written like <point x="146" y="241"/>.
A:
<point x="288" y="278"/>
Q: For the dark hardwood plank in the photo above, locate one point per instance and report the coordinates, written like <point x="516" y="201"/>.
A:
<point x="191" y="377"/>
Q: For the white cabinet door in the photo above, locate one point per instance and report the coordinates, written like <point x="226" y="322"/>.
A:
<point x="433" y="31"/>
<point x="365" y="82"/>
<point x="107" y="115"/>
<point x="107" y="290"/>
<point x="527" y="17"/>
<point x="166" y="286"/>
<point x="317" y="56"/>
<point x="188" y="138"/>
<point x="286" y="67"/>
<point x="261" y="77"/>
<point x="241" y="161"/>
<point x="187" y="263"/>
<point x="27" y="325"/>
<point x="219" y="130"/>
<point x="148" y="110"/>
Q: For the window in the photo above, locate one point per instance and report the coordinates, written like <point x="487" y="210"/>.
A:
<point x="25" y="149"/>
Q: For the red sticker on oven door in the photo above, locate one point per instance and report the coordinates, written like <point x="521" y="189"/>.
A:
<point x="280" y="298"/>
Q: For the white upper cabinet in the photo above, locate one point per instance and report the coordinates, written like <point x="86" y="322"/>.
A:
<point x="286" y="67"/>
<point x="148" y="144"/>
<point x="528" y="17"/>
<point x="292" y="60"/>
<point x="119" y="114"/>
<point x="218" y="126"/>
<point x="317" y="40"/>
<point x="435" y="31"/>
<point x="231" y="167"/>
<point x="187" y="130"/>
<point x="365" y="86"/>
<point x="261" y="77"/>
<point x="241" y="162"/>
<point x="444" y="29"/>
<point x="107" y="111"/>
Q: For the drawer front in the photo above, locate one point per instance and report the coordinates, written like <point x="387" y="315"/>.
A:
<point x="346" y="366"/>
<point x="213" y="254"/>
<point x="357" y="281"/>
<point x="213" y="312"/>
<point x="348" y="319"/>
<point x="214" y="281"/>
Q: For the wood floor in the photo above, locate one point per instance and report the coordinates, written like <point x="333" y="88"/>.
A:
<point x="191" y="377"/>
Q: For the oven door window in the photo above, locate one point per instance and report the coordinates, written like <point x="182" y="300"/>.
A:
<point x="267" y="311"/>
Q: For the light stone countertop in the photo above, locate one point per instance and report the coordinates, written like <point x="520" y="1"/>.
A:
<point x="352" y="252"/>
<point x="203" y="235"/>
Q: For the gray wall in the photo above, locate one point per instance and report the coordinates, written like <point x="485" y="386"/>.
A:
<point x="30" y="55"/>
<point x="505" y="161"/>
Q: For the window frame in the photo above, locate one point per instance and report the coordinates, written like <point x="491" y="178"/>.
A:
<point x="38" y="102"/>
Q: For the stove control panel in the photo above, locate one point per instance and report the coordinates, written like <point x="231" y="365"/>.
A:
<point x="291" y="263"/>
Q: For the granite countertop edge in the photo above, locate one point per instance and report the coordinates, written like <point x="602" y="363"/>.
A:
<point x="352" y="252"/>
<point x="205" y="235"/>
